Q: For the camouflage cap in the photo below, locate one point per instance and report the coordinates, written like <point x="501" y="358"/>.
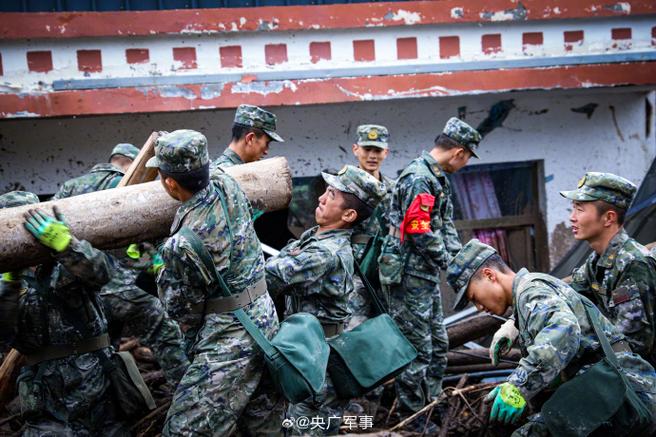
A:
<point x="126" y="149"/>
<point x="372" y="135"/>
<point x="18" y="198"/>
<point x="603" y="186"/>
<point x="180" y="151"/>
<point x="463" y="134"/>
<point x="254" y="116"/>
<point x="463" y="266"/>
<point x="358" y="182"/>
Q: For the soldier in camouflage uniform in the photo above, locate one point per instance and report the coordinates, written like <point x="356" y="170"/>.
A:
<point x="126" y="304"/>
<point x="252" y="132"/>
<point x="315" y="273"/>
<point x="421" y="241"/>
<point x="61" y="392"/>
<point x="101" y="176"/>
<point x="619" y="276"/>
<point x="221" y="384"/>
<point x="371" y="149"/>
<point x="556" y="336"/>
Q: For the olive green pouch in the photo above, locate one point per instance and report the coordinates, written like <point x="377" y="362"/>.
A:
<point x="370" y="354"/>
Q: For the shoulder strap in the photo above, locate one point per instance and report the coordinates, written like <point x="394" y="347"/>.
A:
<point x="200" y="250"/>
<point x="593" y="316"/>
<point x="370" y="288"/>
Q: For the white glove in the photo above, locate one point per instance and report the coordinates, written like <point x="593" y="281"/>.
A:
<point x="503" y="340"/>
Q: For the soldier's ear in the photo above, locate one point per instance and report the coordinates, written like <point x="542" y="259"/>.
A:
<point x="354" y="148"/>
<point x="610" y="217"/>
<point x="349" y="215"/>
<point x="489" y="274"/>
<point x="249" y="137"/>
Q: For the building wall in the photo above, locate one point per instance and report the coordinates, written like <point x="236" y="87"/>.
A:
<point x="572" y="132"/>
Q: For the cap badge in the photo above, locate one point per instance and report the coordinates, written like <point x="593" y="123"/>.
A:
<point x="373" y="134"/>
<point x="581" y="182"/>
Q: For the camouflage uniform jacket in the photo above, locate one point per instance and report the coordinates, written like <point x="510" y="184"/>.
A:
<point x="556" y="335"/>
<point x="316" y="274"/>
<point x="231" y="240"/>
<point x="227" y="159"/>
<point x="374" y="225"/>
<point x="622" y="283"/>
<point x="421" y="255"/>
<point x="70" y="389"/>
<point x="101" y="177"/>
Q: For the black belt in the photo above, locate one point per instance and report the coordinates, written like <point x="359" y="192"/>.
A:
<point x="331" y="329"/>
<point x="220" y="305"/>
<point x="56" y="351"/>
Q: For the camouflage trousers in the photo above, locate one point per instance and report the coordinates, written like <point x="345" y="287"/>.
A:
<point x="319" y="416"/>
<point x="69" y="397"/>
<point x="226" y="389"/>
<point x="144" y="316"/>
<point x="416" y="306"/>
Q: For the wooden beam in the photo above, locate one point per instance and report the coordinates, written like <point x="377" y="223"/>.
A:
<point x="509" y="221"/>
<point x="138" y="172"/>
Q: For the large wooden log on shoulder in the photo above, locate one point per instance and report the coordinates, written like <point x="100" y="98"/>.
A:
<point x="116" y="217"/>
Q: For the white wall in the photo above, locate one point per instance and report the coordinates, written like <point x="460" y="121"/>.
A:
<point x="39" y="154"/>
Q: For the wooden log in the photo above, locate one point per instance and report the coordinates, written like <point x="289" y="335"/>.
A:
<point x="138" y="173"/>
<point x="8" y="373"/>
<point x="478" y="356"/>
<point x="457" y="370"/>
<point x="120" y="216"/>
<point x="471" y="329"/>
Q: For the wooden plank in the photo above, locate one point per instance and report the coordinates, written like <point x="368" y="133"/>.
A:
<point x="8" y="372"/>
<point x="138" y="172"/>
<point x="509" y="221"/>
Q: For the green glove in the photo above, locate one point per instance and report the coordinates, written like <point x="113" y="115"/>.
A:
<point x="508" y="404"/>
<point x="133" y="251"/>
<point x="51" y="232"/>
<point x="11" y="276"/>
<point x="158" y="264"/>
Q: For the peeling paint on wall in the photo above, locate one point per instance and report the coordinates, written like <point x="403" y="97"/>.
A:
<point x="617" y="126"/>
<point x="516" y="14"/>
<point x="620" y="7"/>
<point x="496" y="116"/>
<point x="561" y="241"/>
<point x="587" y="109"/>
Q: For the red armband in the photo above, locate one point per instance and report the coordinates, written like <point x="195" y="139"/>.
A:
<point x="417" y="216"/>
